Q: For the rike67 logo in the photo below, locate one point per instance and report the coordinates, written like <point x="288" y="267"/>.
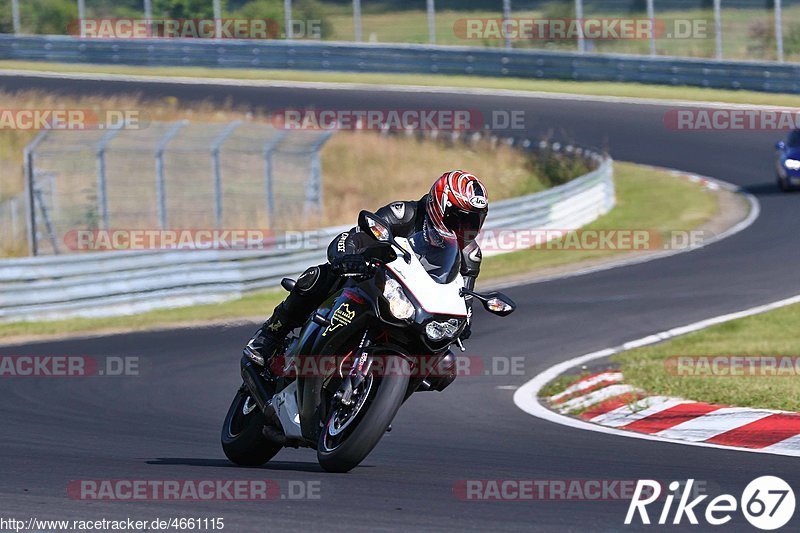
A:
<point x="767" y="503"/>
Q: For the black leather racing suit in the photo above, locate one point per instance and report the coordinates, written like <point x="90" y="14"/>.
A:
<point x="316" y="283"/>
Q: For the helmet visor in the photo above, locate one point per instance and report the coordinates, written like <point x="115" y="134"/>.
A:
<point x="465" y="224"/>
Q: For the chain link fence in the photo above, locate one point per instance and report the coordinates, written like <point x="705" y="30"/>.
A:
<point x="721" y="29"/>
<point x="192" y="176"/>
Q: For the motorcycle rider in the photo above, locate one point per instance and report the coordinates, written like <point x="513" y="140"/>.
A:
<point x="454" y="209"/>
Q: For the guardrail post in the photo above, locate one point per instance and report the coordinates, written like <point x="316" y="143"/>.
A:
<point x="100" y="154"/>
<point x="269" y="147"/>
<point x="160" y="181"/>
<point x="314" y="187"/>
<point x="216" y="170"/>
<point x="30" y="195"/>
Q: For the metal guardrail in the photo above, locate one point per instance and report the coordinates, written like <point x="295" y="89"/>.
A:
<point x="410" y="58"/>
<point x="115" y="283"/>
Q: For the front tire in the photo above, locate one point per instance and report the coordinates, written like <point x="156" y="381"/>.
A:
<point x="383" y="399"/>
<point x="242" y="439"/>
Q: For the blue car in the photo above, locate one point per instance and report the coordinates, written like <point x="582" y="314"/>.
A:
<point x="788" y="163"/>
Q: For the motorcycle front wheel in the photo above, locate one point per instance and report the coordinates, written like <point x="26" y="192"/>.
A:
<point x="352" y="432"/>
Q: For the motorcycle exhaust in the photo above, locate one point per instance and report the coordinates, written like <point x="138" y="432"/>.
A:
<point x="255" y="384"/>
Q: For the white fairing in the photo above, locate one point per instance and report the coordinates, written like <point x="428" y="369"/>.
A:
<point x="435" y="298"/>
<point x="285" y="405"/>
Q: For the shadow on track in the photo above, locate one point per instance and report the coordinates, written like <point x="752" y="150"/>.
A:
<point x="223" y="463"/>
<point x="769" y="188"/>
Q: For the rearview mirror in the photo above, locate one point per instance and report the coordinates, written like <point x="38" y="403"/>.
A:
<point x="499" y="304"/>
<point x="380" y="230"/>
<point x="780" y="145"/>
<point x="496" y="303"/>
<point x="374" y="226"/>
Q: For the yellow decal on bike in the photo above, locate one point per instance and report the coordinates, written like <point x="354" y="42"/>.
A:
<point x="342" y="316"/>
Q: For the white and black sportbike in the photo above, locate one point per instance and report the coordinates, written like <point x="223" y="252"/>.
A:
<point x="341" y="381"/>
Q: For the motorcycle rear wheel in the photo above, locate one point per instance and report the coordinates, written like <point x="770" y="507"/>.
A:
<point x="242" y="439"/>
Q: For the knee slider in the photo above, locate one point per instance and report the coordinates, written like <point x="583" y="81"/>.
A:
<point x="308" y="280"/>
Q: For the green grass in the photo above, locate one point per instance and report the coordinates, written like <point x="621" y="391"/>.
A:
<point x="254" y="305"/>
<point x="769" y="334"/>
<point x="645" y="199"/>
<point x="624" y="90"/>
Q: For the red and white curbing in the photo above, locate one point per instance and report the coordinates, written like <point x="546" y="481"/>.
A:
<point x="605" y="400"/>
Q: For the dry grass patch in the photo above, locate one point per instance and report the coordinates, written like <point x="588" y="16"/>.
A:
<point x="365" y="171"/>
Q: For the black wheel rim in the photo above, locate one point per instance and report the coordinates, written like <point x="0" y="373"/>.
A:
<point x="344" y="419"/>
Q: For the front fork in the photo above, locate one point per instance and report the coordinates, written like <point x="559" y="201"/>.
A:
<point x="358" y="372"/>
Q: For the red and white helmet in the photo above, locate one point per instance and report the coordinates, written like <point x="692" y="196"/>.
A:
<point x="457" y="205"/>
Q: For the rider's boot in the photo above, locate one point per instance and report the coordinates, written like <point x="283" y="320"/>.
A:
<point x="269" y="337"/>
<point x="307" y="294"/>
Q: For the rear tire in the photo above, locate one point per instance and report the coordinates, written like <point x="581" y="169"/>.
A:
<point x="783" y="184"/>
<point x="242" y="439"/>
<point x="370" y="424"/>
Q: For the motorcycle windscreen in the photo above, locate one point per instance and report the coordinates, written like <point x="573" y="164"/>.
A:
<point x="440" y="257"/>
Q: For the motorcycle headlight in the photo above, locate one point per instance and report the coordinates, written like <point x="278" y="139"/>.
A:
<point x="437" y="331"/>
<point x="792" y="164"/>
<point x="399" y="304"/>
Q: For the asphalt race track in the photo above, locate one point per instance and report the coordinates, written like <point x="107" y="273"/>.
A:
<point x="165" y="424"/>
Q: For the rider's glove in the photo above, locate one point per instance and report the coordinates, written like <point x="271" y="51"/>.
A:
<point x="352" y="265"/>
